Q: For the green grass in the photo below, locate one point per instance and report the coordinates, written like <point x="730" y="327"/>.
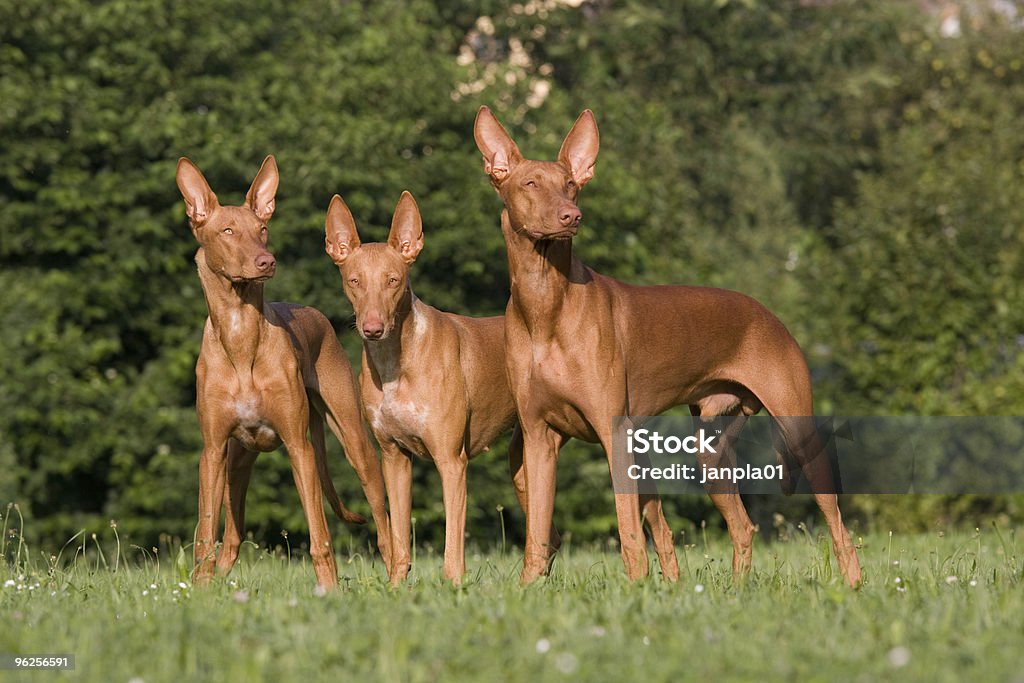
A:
<point x="933" y="607"/>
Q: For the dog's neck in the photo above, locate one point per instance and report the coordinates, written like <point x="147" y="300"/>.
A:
<point x="385" y="357"/>
<point x="540" y="272"/>
<point x="236" y="314"/>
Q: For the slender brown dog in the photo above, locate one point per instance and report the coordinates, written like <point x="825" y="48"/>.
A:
<point x="583" y="348"/>
<point x="433" y="384"/>
<point x="261" y="368"/>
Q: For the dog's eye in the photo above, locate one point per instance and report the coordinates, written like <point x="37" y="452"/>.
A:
<point x="354" y="281"/>
<point x="392" y="281"/>
<point x="531" y="183"/>
<point x="228" y="231"/>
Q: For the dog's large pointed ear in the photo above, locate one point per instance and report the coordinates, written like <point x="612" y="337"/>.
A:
<point x="342" y="239"/>
<point x="200" y="201"/>
<point x="260" y="197"/>
<point x="579" y="149"/>
<point x="406" y="228"/>
<point x="501" y="155"/>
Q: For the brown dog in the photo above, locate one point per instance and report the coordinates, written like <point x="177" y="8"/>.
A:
<point x="433" y="383"/>
<point x="261" y="368"/>
<point x="583" y="348"/>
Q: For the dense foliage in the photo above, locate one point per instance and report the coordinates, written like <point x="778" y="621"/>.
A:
<point x="840" y="161"/>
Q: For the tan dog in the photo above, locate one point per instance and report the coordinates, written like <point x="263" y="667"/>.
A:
<point x="261" y="369"/>
<point x="583" y="348"/>
<point x="433" y="383"/>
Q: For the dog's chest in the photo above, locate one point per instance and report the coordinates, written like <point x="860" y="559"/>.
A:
<point x="557" y="374"/>
<point x="401" y="416"/>
<point x="559" y="388"/>
<point x="252" y="429"/>
<point x="236" y="389"/>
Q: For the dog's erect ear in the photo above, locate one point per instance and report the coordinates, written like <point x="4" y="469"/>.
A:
<point x="406" y="228"/>
<point x="501" y="155"/>
<point x="579" y="149"/>
<point x="200" y="201"/>
<point x="342" y="238"/>
<point x="260" y="197"/>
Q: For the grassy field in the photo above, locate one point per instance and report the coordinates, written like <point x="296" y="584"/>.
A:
<point x="933" y="607"/>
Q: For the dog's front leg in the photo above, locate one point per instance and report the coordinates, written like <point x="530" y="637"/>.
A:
<point x="541" y="444"/>
<point x="397" y="466"/>
<point x="212" y="475"/>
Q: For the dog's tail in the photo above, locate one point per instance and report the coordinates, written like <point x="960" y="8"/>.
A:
<point x="316" y="429"/>
<point x="824" y="475"/>
<point x="789" y="481"/>
<point x="344" y="514"/>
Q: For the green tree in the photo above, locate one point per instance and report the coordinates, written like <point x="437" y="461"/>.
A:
<point x="841" y="163"/>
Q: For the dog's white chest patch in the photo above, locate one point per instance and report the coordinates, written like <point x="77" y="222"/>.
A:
<point x="253" y="431"/>
<point x="400" y="420"/>
<point x="419" y="326"/>
<point x="248" y="415"/>
<point x="373" y="415"/>
<point x="408" y="415"/>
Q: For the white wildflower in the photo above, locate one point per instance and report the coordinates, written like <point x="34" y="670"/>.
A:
<point x="899" y="656"/>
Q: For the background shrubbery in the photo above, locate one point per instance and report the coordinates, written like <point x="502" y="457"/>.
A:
<point x="840" y="161"/>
